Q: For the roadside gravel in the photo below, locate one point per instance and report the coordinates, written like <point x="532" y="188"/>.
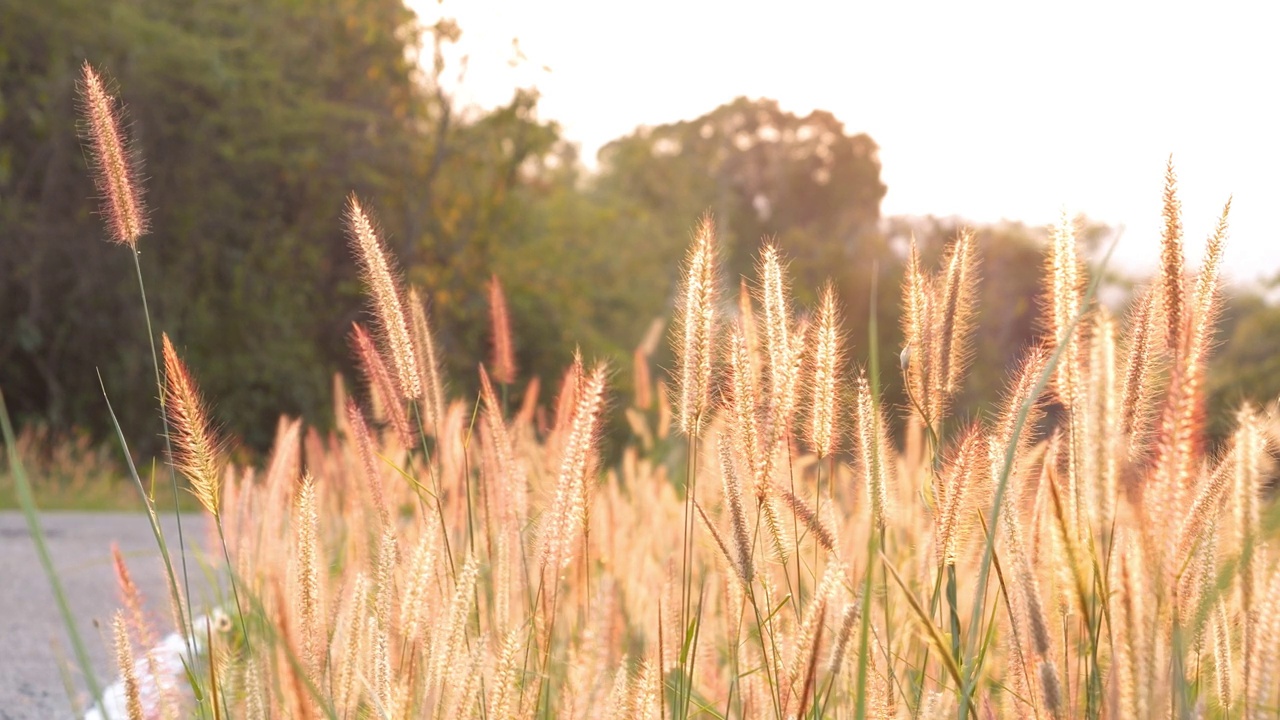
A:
<point x="33" y="640"/>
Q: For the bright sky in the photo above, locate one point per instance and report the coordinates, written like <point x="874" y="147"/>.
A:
<point x="986" y="111"/>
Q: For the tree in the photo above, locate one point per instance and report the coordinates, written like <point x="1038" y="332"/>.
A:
<point x="763" y="171"/>
<point x="1246" y="366"/>
<point x="255" y="119"/>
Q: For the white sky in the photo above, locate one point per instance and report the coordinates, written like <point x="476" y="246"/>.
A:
<point x="988" y="111"/>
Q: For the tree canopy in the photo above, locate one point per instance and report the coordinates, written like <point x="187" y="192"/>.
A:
<point x="257" y="119"/>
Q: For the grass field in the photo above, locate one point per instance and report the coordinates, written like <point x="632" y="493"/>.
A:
<point x="774" y="541"/>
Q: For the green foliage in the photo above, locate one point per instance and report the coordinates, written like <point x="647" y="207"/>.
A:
<point x="762" y="171"/>
<point x="255" y="120"/>
<point x="1247" y="362"/>
<point x="765" y="174"/>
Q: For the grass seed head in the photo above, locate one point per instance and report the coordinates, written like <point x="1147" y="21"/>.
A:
<point x="115" y="165"/>
<point x="128" y="671"/>
<point x="957" y="312"/>
<point x="387" y="401"/>
<point x="428" y="364"/>
<point x="1172" y="297"/>
<point x="195" y="447"/>
<point x="385" y="294"/>
<point x="504" y="356"/>
<point x="827" y="358"/>
<point x="695" y="325"/>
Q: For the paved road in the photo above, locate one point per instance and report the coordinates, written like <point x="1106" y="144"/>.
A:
<point x="33" y="639"/>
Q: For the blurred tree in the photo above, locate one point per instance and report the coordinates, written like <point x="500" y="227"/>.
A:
<point x="255" y="120"/>
<point x="764" y="173"/>
<point x="489" y="177"/>
<point x="1246" y="366"/>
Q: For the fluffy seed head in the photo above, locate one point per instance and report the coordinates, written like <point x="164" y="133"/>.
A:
<point x="504" y="357"/>
<point x="747" y="318"/>
<point x="811" y="624"/>
<point x="1171" y="260"/>
<point x="914" y="320"/>
<point x="124" y="658"/>
<point x="385" y="294"/>
<point x="1201" y="517"/>
<point x="695" y="325"/>
<point x="446" y="653"/>
<point x="843" y="633"/>
<point x="955" y="496"/>
<point x="737" y="516"/>
<point x="569" y="507"/>
<point x="512" y="485"/>
<point x="1205" y="309"/>
<point x="956" y="313"/>
<point x="1052" y="688"/>
<point x="368" y="461"/>
<point x="1019" y="392"/>
<point x="1064" y="298"/>
<point x="1222" y="654"/>
<point x="871" y="446"/>
<point x="784" y="352"/>
<point x="743" y="393"/>
<point x="730" y="556"/>
<point x="131" y="597"/>
<point x="775" y="300"/>
<point x="428" y="364"/>
<point x="386" y="398"/>
<point x="806" y="514"/>
<point x="826" y="361"/>
<point x="1248" y="480"/>
<point x="195" y="448"/>
<point x="1138" y="369"/>
<point x="306" y="527"/>
<point x="506" y="674"/>
<point x="115" y="165"/>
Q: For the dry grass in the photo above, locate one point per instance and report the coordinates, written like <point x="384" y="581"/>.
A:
<point x="75" y="472"/>
<point x="1106" y="563"/>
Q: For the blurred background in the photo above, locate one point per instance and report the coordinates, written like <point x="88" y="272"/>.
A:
<point x="568" y="148"/>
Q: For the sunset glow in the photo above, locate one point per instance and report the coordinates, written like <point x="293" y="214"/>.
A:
<point x="1005" y="111"/>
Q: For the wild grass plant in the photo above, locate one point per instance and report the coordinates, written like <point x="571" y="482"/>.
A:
<point x="812" y="552"/>
<point x="75" y="471"/>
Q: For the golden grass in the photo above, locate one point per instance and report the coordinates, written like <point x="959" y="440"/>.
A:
<point x="384" y="292"/>
<point x="114" y="164"/>
<point x="124" y="659"/>
<point x="504" y="354"/>
<point x="696" y="326"/>
<point x="442" y="558"/>
<point x="195" y="447"/>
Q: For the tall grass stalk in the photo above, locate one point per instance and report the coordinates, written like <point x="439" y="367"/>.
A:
<point x="366" y="629"/>
<point x="972" y="672"/>
<point x="116" y="173"/>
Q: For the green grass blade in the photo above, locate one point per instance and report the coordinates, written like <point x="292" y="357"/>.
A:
<point x="984" y="571"/>
<point x="935" y="635"/>
<point x="184" y="613"/>
<point x="28" y="503"/>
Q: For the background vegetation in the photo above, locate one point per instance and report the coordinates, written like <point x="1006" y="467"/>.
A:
<point x="257" y="118"/>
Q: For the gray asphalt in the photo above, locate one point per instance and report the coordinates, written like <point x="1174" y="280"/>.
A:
<point x="34" y="643"/>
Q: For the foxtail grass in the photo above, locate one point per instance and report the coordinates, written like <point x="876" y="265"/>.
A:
<point x="487" y="563"/>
